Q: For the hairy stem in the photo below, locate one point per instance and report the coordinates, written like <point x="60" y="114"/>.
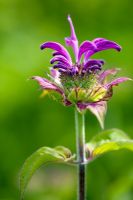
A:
<point x="80" y="141"/>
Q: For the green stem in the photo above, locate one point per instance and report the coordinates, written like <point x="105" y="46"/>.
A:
<point x="80" y="140"/>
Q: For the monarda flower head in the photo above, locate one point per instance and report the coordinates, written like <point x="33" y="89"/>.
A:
<point x="82" y="83"/>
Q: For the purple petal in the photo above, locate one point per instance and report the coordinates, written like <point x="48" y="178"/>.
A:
<point x="56" y="53"/>
<point x="100" y="45"/>
<point x="85" y="47"/>
<point x="54" y="73"/>
<point x="88" y="54"/>
<point x="106" y="73"/>
<point x="60" y="59"/>
<point x="60" y="66"/>
<point x="99" y="109"/>
<point x="117" y="81"/>
<point x="57" y="47"/>
<point x="90" y="63"/>
<point x="48" y="85"/>
<point x="74" y="70"/>
<point x="62" y="70"/>
<point x="72" y="40"/>
<point x="73" y="34"/>
<point x="103" y="44"/>
<point x="94" y="68"/>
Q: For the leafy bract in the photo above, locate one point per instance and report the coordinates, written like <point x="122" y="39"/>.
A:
<point x="108" y="140"/>
<point x="43" y="155"/>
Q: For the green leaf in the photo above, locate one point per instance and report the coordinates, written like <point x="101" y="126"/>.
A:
<point x="44" y="155"/>
<point x="109" y="140"/>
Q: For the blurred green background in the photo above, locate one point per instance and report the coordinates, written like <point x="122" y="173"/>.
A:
<point x="28" y="122"/>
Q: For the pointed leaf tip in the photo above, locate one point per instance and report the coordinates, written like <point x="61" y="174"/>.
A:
<point x="42" y="156"/>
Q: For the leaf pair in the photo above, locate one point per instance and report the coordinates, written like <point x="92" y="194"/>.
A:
<point x="108" y="140"/>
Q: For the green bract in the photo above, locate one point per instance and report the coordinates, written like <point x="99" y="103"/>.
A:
<point x="82" y="88"/>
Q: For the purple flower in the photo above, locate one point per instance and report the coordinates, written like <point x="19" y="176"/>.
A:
<point x="82" y="83"/>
